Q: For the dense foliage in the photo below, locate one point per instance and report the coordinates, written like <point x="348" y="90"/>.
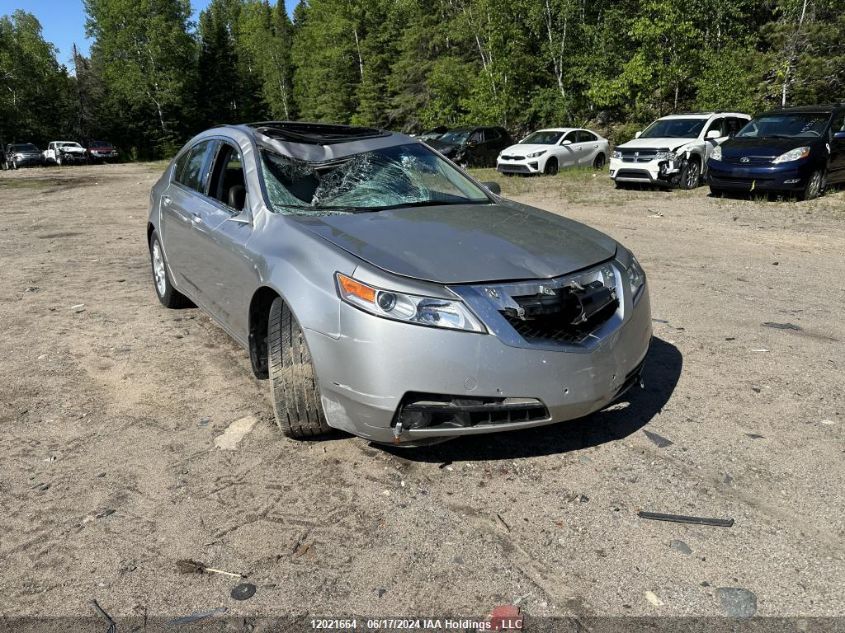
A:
<point x="153" y="77"/>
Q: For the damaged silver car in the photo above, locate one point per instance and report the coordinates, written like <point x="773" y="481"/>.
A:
<point x="383" y="291"/>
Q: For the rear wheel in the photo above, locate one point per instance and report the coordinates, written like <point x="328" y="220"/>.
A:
<point x="166" y="293"/>
<point x="814" y="186"/>
<point x="690" y="174"/>
<point x="293" y="382"/>
<point x="599" y="161"/>
<point x="551" y="167"/>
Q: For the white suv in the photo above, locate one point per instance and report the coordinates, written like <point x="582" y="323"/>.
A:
<point x="673" y="151"/>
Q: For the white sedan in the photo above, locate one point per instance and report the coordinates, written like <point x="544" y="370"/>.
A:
<point x="547" y="151"/>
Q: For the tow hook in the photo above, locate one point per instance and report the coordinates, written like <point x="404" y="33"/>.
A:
<point x="397" y="431"/>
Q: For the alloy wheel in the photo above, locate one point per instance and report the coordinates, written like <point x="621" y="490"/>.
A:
<point x="158" y="270"/>
<point x="692" y="175"/>
<point x="814" y="187"/>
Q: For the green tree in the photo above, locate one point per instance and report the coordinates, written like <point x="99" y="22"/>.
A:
<point x="147" y="58"/>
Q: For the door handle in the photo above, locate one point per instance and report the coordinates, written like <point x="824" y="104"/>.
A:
<point x="165" y="200"/>
<point x="196" y="218"/>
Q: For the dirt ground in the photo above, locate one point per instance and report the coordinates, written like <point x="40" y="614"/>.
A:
<point x="110" y="405"/>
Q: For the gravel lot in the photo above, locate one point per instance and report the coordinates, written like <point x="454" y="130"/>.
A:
<point x="110" y="405"/>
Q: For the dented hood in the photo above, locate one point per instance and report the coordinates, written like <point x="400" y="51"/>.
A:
<point x="466" y="243"/>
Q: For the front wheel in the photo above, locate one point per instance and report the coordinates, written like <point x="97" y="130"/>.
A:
<point x="293" y="382"/>
<point x="59" y="160"/>
<point x="551" y="167"/>
<point x="814" y="186"/>
<point x="690" y="175"/>
<point x="599" y="161"/>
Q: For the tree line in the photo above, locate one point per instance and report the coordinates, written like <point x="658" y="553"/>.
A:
<point x="153" y="77"/>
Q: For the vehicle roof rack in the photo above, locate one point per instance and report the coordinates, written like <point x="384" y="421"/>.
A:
<point x="316" y="133"/>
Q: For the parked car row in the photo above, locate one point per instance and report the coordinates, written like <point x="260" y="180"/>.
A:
<point x="17" y="155"/>
<point x="797" y="150"/>
<point x="792" y="150"/>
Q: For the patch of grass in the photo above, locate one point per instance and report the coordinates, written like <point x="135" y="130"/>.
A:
<point x="27" y="183"/>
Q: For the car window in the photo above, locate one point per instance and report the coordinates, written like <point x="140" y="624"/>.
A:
<point x="674" y="128"/>
<point x="838" y="123"/>
<point x="787" y="125"/>
<point x="585" y="137"/>
<point x="572" y="137"/>
<point x="718" y="125"/>
<point x="734" y="125"/>
<point x="227" y="177"/>
<point x="542" y="138"/>
<point x="190" y="173"/>
<point x="477" y="136"/>
<point x="492" y="134"/>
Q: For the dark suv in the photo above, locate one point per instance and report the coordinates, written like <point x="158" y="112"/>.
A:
<point x="20" y="155"/>
<point x="472" y="146"/>
<point x="796" y="150"/>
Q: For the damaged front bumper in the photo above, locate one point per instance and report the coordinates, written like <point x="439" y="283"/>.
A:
<point x="665" y="173"/>
<point x="394" y="383"/>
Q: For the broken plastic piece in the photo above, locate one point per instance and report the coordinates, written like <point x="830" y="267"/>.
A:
<point x="112" y="624"/>
<point x="680" y="518"/>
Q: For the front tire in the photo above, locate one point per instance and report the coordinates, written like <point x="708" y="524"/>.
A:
<point x="166" y="293"/>
<point x="691" y="174"/>
<point x="59" y="161"/>
<point x="599" y="162"/>
<point x="551" y="167"/>
<point x="293" y="382"/>
<point x="814" y="186"/>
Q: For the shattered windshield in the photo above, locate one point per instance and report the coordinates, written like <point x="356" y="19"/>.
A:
<point x="542" y="138"/>
<point x="810" y="125"/>
<point x="674" y="128"/>
<point x="399" y="176"/>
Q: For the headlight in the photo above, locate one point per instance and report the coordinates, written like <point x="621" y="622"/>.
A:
<point x="18" y="156"/>
<point x="399" y="306"/>
<point x="794" y="154"/>
<point x="616" y="154"/>
<point x="536" y="154"/>
<point x="636" y="277"/>
<point x="717" y="153"/>
<point x="665" y="155"/>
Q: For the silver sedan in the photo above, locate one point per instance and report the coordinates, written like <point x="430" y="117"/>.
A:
<point x="383" y="291"/>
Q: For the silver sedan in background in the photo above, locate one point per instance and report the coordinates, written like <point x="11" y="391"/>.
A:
<point x="383" y="291"/>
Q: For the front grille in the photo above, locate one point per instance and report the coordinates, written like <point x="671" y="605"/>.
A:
<point x="638" y="155"/>
<point x="514" y="168"/>
<point x="633" y="173"/>
<point x="567" y="315"/>
<point x="512" y="157"/>
<point x="751" y="160"/>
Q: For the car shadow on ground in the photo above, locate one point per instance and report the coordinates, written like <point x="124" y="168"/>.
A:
<point x="629" y="414"/>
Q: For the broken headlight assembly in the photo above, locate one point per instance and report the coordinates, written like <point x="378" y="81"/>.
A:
<point x="401" y="306"/>
<point x="665" y="154"/>
<point x="636" y="278"/>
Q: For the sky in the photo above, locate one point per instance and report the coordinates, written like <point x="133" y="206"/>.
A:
<point x="63" y="21"/>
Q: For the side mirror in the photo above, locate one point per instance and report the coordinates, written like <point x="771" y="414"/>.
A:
<point x="566" y="142"/>
<point x="493" y="187"/>
<point x="638" y="134"/>
<point x="840" y="136"/>
<point x="713" y="134"/>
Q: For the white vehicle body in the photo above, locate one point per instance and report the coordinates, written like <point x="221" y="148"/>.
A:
<point x="673" y="151"/>
<point x="560" y="148"/>
<point x="61" y="152"/>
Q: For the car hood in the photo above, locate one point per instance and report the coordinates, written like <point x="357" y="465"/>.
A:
<point x="73" y="150"/>
<point x="656" y="143"/>
<point x="739" y="147"/>
<point x="27" y="153"/>
<point x="466" y="243"/>
<point x="523" y="149"/>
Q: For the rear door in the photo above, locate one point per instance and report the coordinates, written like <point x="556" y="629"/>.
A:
<point x="588" y="147"/>
<point x="182" y="218"/>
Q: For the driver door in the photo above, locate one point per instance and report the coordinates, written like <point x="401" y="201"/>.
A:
<point x="717" y="124"/>
<point x="568" y="154"/>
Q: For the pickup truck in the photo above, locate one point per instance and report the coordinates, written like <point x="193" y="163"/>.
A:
<point x="65" y="153"/>
<point x="673" y="151"/>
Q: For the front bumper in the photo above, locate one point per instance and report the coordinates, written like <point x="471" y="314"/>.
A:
<point x="732" y="177"/>
<point x="653" y="172"/>
<point x="520" y="166"/>
<point x="24" y="161"/>
<point x="74" y="158"/>
<point x="103" y="155"/>
<point x="365" y="373"/>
